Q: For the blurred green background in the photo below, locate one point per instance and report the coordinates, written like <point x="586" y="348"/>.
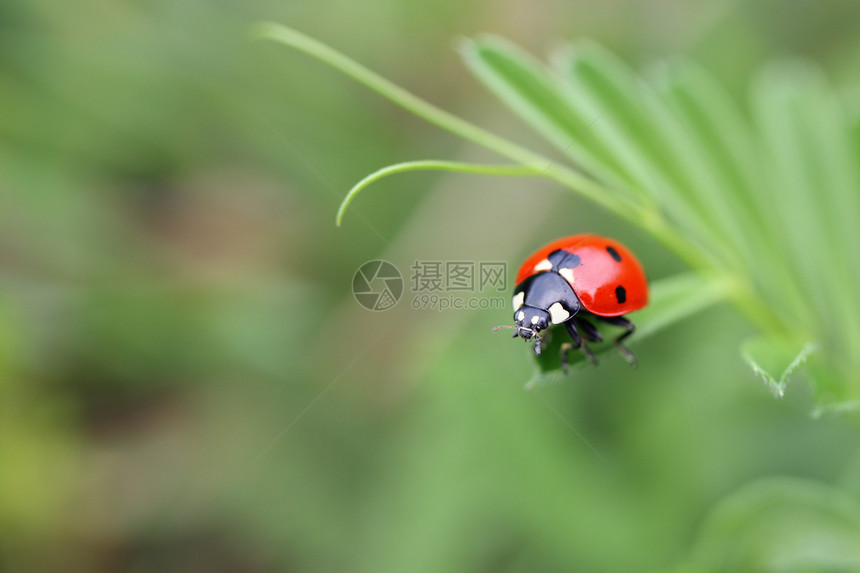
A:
<point x="187" y="384"/>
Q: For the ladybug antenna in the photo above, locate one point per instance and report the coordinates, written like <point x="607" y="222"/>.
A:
<point x="535" y="333"/>
<point x="514" y="326"/>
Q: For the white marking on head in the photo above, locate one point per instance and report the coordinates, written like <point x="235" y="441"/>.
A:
<point x="557" y="313"/>
<point x="535" y="319"/>
<point x="567" y="274"/>
<point x="544" y="265"/>
<point x="521" y="315"/>
<point x="519" y="299"/>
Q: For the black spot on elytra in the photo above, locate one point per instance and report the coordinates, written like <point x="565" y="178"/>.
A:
<point x="620" y="294"/>
<point x="613" y="253"/>
<point x="571" y="261"/>
<point x="562" y="259"/>
<point x="556" y="257"/>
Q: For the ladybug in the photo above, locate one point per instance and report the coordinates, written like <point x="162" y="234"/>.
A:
<point x="574" y="281"/>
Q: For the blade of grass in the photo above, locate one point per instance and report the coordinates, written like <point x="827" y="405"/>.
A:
<point x="722" y="131"/>
<point x="787" y="190"/>
<point x="700" y="182"/>
<point x="597" y="80"/>
<point x="433" y="165"/>
<point x="522" y="83"/>
<point x="837" y="187"/>
<point x="799" y="197"/>
<point x="593" y="80"/>
<point x="716" y="127"/>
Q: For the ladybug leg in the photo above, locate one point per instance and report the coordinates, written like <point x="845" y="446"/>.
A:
<point x="566" y="347"/>
<point x="630" y="328"/>
<point x="574" y="333"/>
<point x="589" y="331"/>
<point x="577" y="343"/>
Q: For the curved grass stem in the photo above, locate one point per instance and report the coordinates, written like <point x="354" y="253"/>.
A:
<point x="582" y="185"/>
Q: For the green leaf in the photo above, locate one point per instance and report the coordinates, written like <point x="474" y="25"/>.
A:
<point x="637" y="127"/>
<point x="780" y="524"/>
<point x="672" y="300"/>
<point x="836" y="183"/>
<point x="721" y="132"/>
<point x="534" y="94"/>
<point x="716" y="127"/>
<point x="775" y="360"/>
<point x="682" y="117"/>
<point x="597" y="82"/>
<point x="790" y="103"/>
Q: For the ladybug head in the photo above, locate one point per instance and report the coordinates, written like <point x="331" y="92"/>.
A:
<point x="529" y="322"/>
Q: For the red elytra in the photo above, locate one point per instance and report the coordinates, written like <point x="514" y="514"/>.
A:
<point x="605" y="265"/>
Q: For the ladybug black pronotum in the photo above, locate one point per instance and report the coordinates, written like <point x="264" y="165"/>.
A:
<point x="573" y="281"/>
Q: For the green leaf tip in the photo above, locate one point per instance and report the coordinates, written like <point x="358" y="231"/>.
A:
<point x="262" y="30"/>
<point x="766" y="355"/>
<point x="433" y="165"/>
<point x="280" y="33"/>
